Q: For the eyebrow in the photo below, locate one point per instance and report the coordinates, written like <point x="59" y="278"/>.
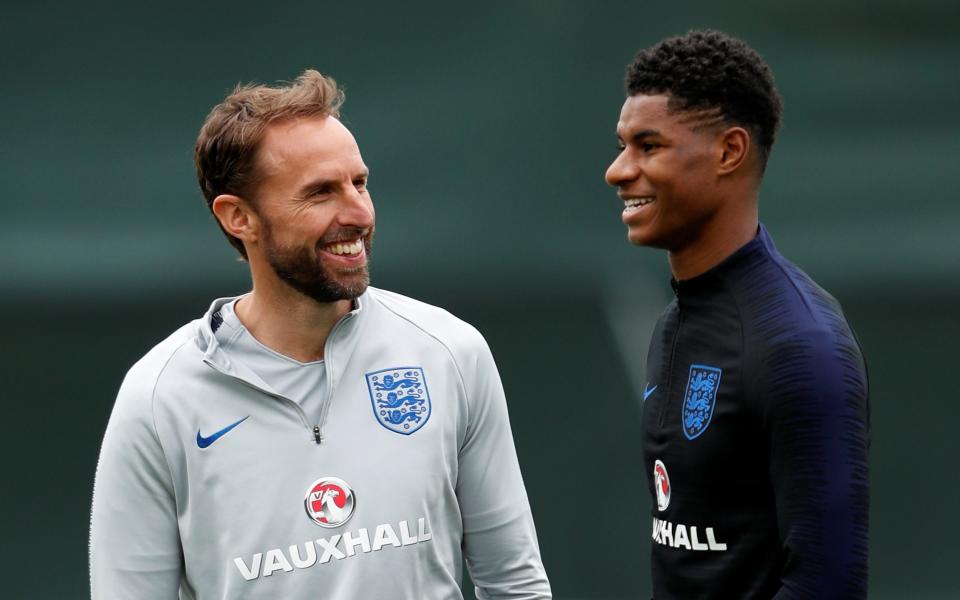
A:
<point x="645" y="133"/>
<point x="641" y="134"/>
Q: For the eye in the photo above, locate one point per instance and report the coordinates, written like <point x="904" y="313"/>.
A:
<point x="361" y="184"/>
<point x="320" y="191"/>
<point x="649" y="146"/>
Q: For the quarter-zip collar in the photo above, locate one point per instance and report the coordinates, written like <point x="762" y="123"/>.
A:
<point x="709" y="281"/>
<point x="337" y="349"/>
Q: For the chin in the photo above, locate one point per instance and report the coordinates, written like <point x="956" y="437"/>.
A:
<point x="642" y="237"/>
<point x="354" y="286"/>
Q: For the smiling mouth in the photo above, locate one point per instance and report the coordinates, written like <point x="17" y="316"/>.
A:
<point x="345" y="248"/>
<point x="634" y="204"/>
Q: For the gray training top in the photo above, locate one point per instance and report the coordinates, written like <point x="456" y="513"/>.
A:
<point x="304" y="383"/>
<point x="214" y="484"/>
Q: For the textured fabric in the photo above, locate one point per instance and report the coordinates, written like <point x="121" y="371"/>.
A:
<point x="756" y="431"/>
<point x="208" y="476"/>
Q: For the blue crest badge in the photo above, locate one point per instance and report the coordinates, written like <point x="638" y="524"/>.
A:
<point x="401" y="402"/>
<point x="699" y="399"/>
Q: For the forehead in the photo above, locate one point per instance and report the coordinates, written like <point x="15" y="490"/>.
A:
<point x="642" y="112"/>
<point x="308" y="146"/>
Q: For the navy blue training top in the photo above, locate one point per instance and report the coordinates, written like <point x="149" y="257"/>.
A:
<point x="756" y="429"/>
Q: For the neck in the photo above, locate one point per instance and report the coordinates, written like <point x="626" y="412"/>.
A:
<point x="719" y="239"/>
<point x="289" y="322"/>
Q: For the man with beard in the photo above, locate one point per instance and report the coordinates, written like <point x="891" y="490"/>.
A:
<point x="315" y="437"/>
<point x="755" y="414"/>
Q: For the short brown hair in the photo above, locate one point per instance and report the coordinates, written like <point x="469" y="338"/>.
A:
<point x="226" y="149"/>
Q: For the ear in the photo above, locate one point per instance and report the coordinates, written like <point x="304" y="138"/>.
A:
<point x="237" y="217"/>
<point x="734" y="149"/>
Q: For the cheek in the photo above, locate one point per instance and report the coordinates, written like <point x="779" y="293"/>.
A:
<point x="688" y="180"/>
<point x="316" y="221"/>
<point x="697" y="166"/>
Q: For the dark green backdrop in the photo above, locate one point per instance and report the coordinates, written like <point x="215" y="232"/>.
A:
<point x="487" y="127"/>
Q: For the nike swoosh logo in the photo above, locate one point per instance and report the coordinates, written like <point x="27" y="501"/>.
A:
<point x="203" y="442"/>
<point x="648" y="390"/>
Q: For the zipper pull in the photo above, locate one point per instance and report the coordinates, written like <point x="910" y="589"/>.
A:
<point x="316" y="434"/>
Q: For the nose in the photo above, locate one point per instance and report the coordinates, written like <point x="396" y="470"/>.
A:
<point x="621" y="170"/>
<point x="357" y="210"/>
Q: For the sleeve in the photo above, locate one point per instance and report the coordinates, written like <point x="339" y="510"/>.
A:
<point x="134" y="539"/>
<point x="499" y="538"/>
<point x="816" y="421"/>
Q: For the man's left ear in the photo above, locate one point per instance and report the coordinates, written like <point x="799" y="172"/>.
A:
<point x="734" y="148"/>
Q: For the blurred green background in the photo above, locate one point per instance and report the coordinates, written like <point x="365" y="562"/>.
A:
<point x="487" y="127"/>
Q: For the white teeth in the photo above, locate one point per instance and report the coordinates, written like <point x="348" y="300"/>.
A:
<point x="637" y="202"/>
<point x="346" y="249"/>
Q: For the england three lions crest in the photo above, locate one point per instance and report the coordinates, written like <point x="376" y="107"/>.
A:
<point x="401" y="401"/>
<point x="700" y="399"/>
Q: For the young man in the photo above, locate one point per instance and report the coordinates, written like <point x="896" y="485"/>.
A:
<point x="314" y="438"/>
<point x="755" y="414"/>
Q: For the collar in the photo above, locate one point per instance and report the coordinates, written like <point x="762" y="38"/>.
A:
<point x="215" y="356"/>
<point x="760" y="245"/>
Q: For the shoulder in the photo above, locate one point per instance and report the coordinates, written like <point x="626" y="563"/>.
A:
<point x="430" y="321"/>
<point x="781" y="305"/>
<point x="136" y="393"/>
<point x="797" y="338"/>
<point x="669" y="312"/>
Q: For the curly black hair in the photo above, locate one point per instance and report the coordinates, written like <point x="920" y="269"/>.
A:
<point x="711" y="72"/>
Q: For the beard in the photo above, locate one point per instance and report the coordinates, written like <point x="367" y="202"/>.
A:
<point x="300" y="267"/>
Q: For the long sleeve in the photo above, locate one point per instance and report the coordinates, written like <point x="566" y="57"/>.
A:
<point x="500" y="541"/>
<point x="817" y="425"/>
<point x="134" y="539"/>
